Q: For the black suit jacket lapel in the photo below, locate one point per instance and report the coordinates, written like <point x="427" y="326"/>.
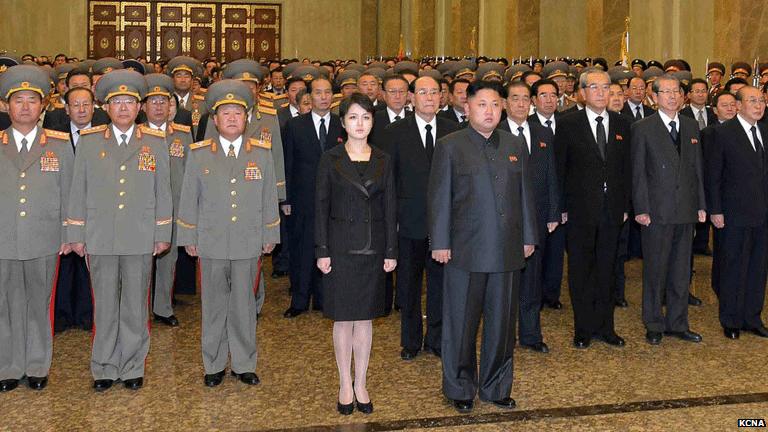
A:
<point x="589" y="138"/>
<point x="414" y="140"/>
<point x="346" y="168"/>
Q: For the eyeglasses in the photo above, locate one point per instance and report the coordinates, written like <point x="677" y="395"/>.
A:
<point x="78" y="105"/>
<point x="668" y="92"/>
<point x="424" y="92"/>
<point x="755" y="101"/>
<point x="124" y="102"/>
<point x="158" y="101"/>
<point x="699" y="91"/>
<point x="595" y="87"/>
<point x="395" y="92"/>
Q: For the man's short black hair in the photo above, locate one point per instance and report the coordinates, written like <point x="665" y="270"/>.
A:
<point x="698" y="81"/>
<point x="526" y="74"/>
<point x="295" y="79"/>
<point x="452" y="84"/>
<point x="320" y="78"/>
<point x="542" y="82"/>
<point x="476" y="86"/>
<point x="76" y="89"/>
<point x="721" y="94"/>
<point x="75" y="72"/>
<point x="521" y="84"/>
<point x="393" y="78"/>
<point x="733" y="81"/>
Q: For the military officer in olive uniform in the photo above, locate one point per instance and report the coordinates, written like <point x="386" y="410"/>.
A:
<point x="228" y="217"/>
<point x="120" y="214"/>
<point x="183" y="70"/>
<point x="177" y="139"/>
<point x="35" y="173"/>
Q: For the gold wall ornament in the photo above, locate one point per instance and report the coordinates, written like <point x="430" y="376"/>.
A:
<point x="170" y="44"/>
<point x="135" y="43"/>
<point x="135" y="13"/>
<point x="235" y="16"/>
<point x="235" y="45"/>
<point x="171" y="14"/>
<point x="104" y="43"/>
<point x="200" y="44"/>
<point x="104" y="13"/>
<point x="264" y="45"/>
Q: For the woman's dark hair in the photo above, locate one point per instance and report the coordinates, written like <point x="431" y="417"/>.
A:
<point x="355" y="99"/>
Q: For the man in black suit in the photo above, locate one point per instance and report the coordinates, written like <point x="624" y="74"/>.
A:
<point x="306" y="138"/>
<point x="411" y="143"/>
<point x="395" y="89"/>
<point x="737" y="193"/>
<point x="482" y="226"/>
<point x="698" y="93"/>
<point x="592" y="150"/>
<point x="293" y="85"/>
<point x="634" y="107"/>
<point x="544" y="186"/>
<point x="545" y="99"/>
<point x="458" y="98"/>
<point x="74" y="303"/>
<point x="668" y="199"/>
<point x="76" y="78"/>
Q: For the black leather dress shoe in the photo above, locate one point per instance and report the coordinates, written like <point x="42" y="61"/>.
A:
<point x="622" y="303"/>
<point x="506" y="403"/>
<point x="345" y="409"/>
<point x="214" y="379"/>
<point x="365" y="408"/>
<point x="408" y="354"/>
<point x="611" y="339"/>
<point x="134" y="383"/>
<point x="249" y="378"/>
<point x="293" y="313"/>
<point x="463" y="406"/>
<point x="170" y="321"/>
<point x="693" y="300"/>
<point x="37" y="383"/>
<point x="581" y="342"/>
<point x="278" y="274"/>
<point x="102" y="384"/>
<point x="553" y="304"/>
<point x="434" y="351"/>
<point x="731" y="333"/>
<point x="687" y="336"/>
<point x="317" y="308"/>
<point x="653" y="338"/>
<point x="540" y="347"/>
<point x="8" y="385"/>
<point x="758" y="331"/>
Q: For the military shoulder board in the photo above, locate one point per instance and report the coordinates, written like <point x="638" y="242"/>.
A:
<point x="93" y="130"/>
<point x="201" y="144"/>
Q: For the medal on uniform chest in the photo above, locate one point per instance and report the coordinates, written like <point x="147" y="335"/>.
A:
<point x="146" y="159"/>
<point x="102" y="155"/>
<point x="512" y="158"/>
<point x="177" y="149"/>
<point x="252" y="171"/>
<point x="266" y="136"/>
<point x="49" y="162"/>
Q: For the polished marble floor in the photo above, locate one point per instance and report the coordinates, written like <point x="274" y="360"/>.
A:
<point x="675" y="386"/>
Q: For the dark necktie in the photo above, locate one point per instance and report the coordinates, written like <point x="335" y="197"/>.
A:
<point x="429" y="142"/>
<point x="463" y="118"/>
<point x="674" y="135"/>
<point x="24" y="150"/>
<point x="520" y="133"/>
<point x="600" y="134"/>
<point x="323" y="134"/>
<point x="397" y="117"/>
<point x="700" y="119"/>
<point x="549" y="125"/>
<point x="231" y="152"/>
<point x="638" y="114"/>
<point x="123" y="141"/>
<point x="758" y="145"/>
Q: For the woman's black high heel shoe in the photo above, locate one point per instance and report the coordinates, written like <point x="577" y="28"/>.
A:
<point x="365" y="408"/>
<point x="345" y="409"/>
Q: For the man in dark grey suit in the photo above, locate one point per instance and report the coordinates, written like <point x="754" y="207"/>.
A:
<point x="668" y="198"/>
<point x="482" y="227"/>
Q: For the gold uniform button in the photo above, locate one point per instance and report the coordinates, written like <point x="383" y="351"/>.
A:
<point x="23" y="187"/>
<point x="22" y="214"/>
<point x="234" y="218"/>
<point x="234" y="206"/>
<point x="23" y="200"/>
<point x="233" y="181"/>
<point x="122" y="181"/>
<point x="233" y="193"/>
<point x="122" y="167"/>
<point x="121" y="206"/>
<point x="22" y="175"/>
<point x="122" y="193"/>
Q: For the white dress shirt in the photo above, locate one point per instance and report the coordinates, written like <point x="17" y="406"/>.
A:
<point x="393" y="114"/>
<point x="75" y="131"/>
<point x="526" y="131"/>
<point x="544" y="120"/>
<point x="420" y="123"/>
<point x="156" y="127"/>
<point x="316" y="119"/>
<point x="30" y="137"/>
<point x="703" y="111"/>
<point x="118" y="132"/>
<point x="183" y="99"/>
<point x="294" y="111"/>
<point x="633" y="108"/>
<point x="236" y="143"/>
<point x="592" y="116"/>
<point x="666" y="119"/>
<point x="747" y="129"/>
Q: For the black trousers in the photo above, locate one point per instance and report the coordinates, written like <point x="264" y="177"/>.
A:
<point x="468" y="297"/>
<point x="414" y="258"/>
<point x="717" y="235"/>
<point x="531" y="286"/>
<point x="666" y="271"/>
<point x="74" y="300"/>
<point x="742" y="275"/>
<point x="280" y="255"/>
<point x="622" y="256"/>
<point x="591" y="265"/>
<point x="306" y="281"/>
<point x="554" y="254"/>
<point x="701" y="239"/>
<point x="186" y="274"/>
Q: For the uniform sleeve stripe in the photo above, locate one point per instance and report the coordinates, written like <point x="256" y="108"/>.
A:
<point x="274" y="224"/>
<point x="183" y="224"/>
<point x="160" y="222"/>
<point x="75" y="222"/>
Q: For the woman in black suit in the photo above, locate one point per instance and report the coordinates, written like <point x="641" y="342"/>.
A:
<point x="356" y="243"/>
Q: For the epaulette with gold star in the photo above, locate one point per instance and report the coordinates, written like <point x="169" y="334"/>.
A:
<point x="180" y="127"/>
<point x="93" y="130"/>
<point x="267" y="110"/>
<point x="255" y="142"/>
<point x="201" y="144"/>
<point x="153" y="132"/>
<point x="57" y="134"/>
<point x="198" y="97"/>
